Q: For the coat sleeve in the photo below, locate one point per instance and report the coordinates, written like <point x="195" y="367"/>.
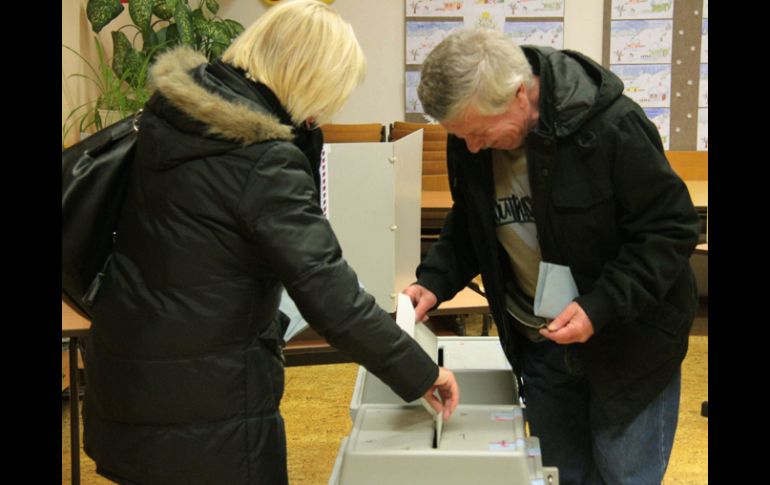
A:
<point x="451" y="262"/>
<point x="281" y="211"/>
<point x="657" y="222"/>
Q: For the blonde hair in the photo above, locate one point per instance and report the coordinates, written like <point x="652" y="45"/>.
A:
<point x="306" y="54"/>
<point x="472" y="67"/>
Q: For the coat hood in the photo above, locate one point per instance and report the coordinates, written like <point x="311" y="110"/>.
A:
<point x="209" y="108"/>
<point x="573" y="88"/>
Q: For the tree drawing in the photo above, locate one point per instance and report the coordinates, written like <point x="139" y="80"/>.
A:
<point x="415" y="4"/>
<point x="413" y="52"/>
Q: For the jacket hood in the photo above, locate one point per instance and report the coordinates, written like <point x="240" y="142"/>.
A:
<point x="573" y="88"/>
<point x="209" y="108"/>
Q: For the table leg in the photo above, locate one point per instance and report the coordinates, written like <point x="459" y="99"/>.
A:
<point x="74" y="413"/>
<point x="486" y="324"/>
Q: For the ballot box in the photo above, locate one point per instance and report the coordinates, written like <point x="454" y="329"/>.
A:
<point x="371" y="194"/>
<point x="393" y="442"/>
<point x="390" y="445"/>
<point x="480" y="367"/>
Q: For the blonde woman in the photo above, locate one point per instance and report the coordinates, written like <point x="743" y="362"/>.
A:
<point x="184" y="363"/>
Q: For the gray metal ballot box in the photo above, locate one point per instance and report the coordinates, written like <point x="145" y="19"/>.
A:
<point x="481" y="369"/>
<point x="393" y="442"/>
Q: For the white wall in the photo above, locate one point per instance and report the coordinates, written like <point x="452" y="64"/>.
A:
<point x="379" y="25"/>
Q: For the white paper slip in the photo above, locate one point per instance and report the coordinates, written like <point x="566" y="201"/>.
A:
<point x="405" y="314"/>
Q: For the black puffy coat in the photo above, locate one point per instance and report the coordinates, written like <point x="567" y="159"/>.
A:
<point x="608" y="205"/>
<point x="183" y="362"/>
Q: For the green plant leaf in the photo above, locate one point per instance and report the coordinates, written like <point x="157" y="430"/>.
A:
<point x="141" y="14"/>
<point x="102" y="12"/>
<point x="172" y="36"/>
<point x="182" y="16"/>
<point x="135" y="69"/>
<point x="235" y="28"/>
<point x="164" y="9"/>
<point x="120" y="46"/>
<point x="212" y="5"/>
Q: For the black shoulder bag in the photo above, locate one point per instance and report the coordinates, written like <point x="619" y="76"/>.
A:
<point x="94" y="178"/>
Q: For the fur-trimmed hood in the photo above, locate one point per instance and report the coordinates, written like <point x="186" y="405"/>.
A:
<point x="229" y="109"/>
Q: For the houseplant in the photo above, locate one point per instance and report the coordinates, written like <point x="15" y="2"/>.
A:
<point x="157" y="25"/>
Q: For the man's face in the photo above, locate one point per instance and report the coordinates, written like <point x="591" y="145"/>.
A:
<point x="505" y="131"/>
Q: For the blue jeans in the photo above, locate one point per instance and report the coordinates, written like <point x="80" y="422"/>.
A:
<point x="575" y="435"/>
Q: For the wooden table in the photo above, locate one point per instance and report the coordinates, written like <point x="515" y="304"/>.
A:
<point x="466" y="302"/>
<point x="74" y="326"/>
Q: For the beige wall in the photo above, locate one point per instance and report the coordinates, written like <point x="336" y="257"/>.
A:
<point x="379" y="25"/>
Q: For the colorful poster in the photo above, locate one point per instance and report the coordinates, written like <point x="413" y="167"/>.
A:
<point x="434" y="8"/>
<point x="413" y="104"/>
<point x="641" y="41"/>
<point x="703" y="86"/>
<point x="703" y="129"/>
<point x="642" y="9"/>
<point x="548" y="34"/>
<point x="535" y="8"/>
<point x="647" y="84"/>
<point x="422" y="37"/>
<point x="458" y="8"/>
<point x="661" y="117"/>
<point x="485" y="16"/>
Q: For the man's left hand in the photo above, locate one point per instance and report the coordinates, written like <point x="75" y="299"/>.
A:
<point x="570" y="326"/>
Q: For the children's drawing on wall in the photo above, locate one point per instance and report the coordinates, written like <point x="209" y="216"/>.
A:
<point x="548" y="34"/>
<point x="456" y="8"/>
<point x="642" y="9"/>
<point x="535" y="8"/>
<point x="413" y="104"/>
<point x="703" y="86"/>
<point x="641" y="42"/>
<point x="647" y="84"/>
<point x="434" y="8"/>
<point x="422" y="37"/>
<point x="486" y="16"/>
<point x="703" y="129"/>
<point x="661" y="117"/>
<point x="704" y="42"/>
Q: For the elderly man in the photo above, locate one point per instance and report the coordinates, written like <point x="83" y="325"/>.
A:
<point x="549" y="161"/>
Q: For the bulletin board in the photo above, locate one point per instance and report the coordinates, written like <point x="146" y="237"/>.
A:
<point x="659" y="48"/>
<point x="428" y="22"/>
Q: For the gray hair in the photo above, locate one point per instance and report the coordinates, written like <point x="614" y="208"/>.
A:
<point x="478" y="67"/>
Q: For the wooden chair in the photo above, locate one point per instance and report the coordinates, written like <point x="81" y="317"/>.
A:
<point x="353" y="133"/>
<point x="434" y="175"/>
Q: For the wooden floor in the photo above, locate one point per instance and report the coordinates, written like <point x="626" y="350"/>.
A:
<point x="316" y="400"/>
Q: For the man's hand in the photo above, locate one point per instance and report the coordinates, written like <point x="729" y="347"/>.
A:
<point x="447" y="389"/>
<point x="422" y="299"/>
<point x="570" y="326"/>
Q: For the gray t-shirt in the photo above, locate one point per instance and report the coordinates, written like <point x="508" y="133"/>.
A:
<point x="515" y="217"/>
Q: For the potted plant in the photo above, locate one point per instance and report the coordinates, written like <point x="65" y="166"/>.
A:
<point x="157" y="25"/>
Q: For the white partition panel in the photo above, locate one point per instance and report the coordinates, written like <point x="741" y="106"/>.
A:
<point x="373" y="202"/>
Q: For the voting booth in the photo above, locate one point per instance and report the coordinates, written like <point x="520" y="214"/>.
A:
<point x="371" y="194"/>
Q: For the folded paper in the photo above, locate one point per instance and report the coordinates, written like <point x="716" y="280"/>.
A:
<point x="555" y="290"/>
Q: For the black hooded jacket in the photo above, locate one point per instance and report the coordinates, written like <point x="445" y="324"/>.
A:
<point x="183" y="361"/>
<point x="608" y="205"/>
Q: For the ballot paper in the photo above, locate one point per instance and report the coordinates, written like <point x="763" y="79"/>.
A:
<point x="555" y="290"/>
<point x="405" y="318"/>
